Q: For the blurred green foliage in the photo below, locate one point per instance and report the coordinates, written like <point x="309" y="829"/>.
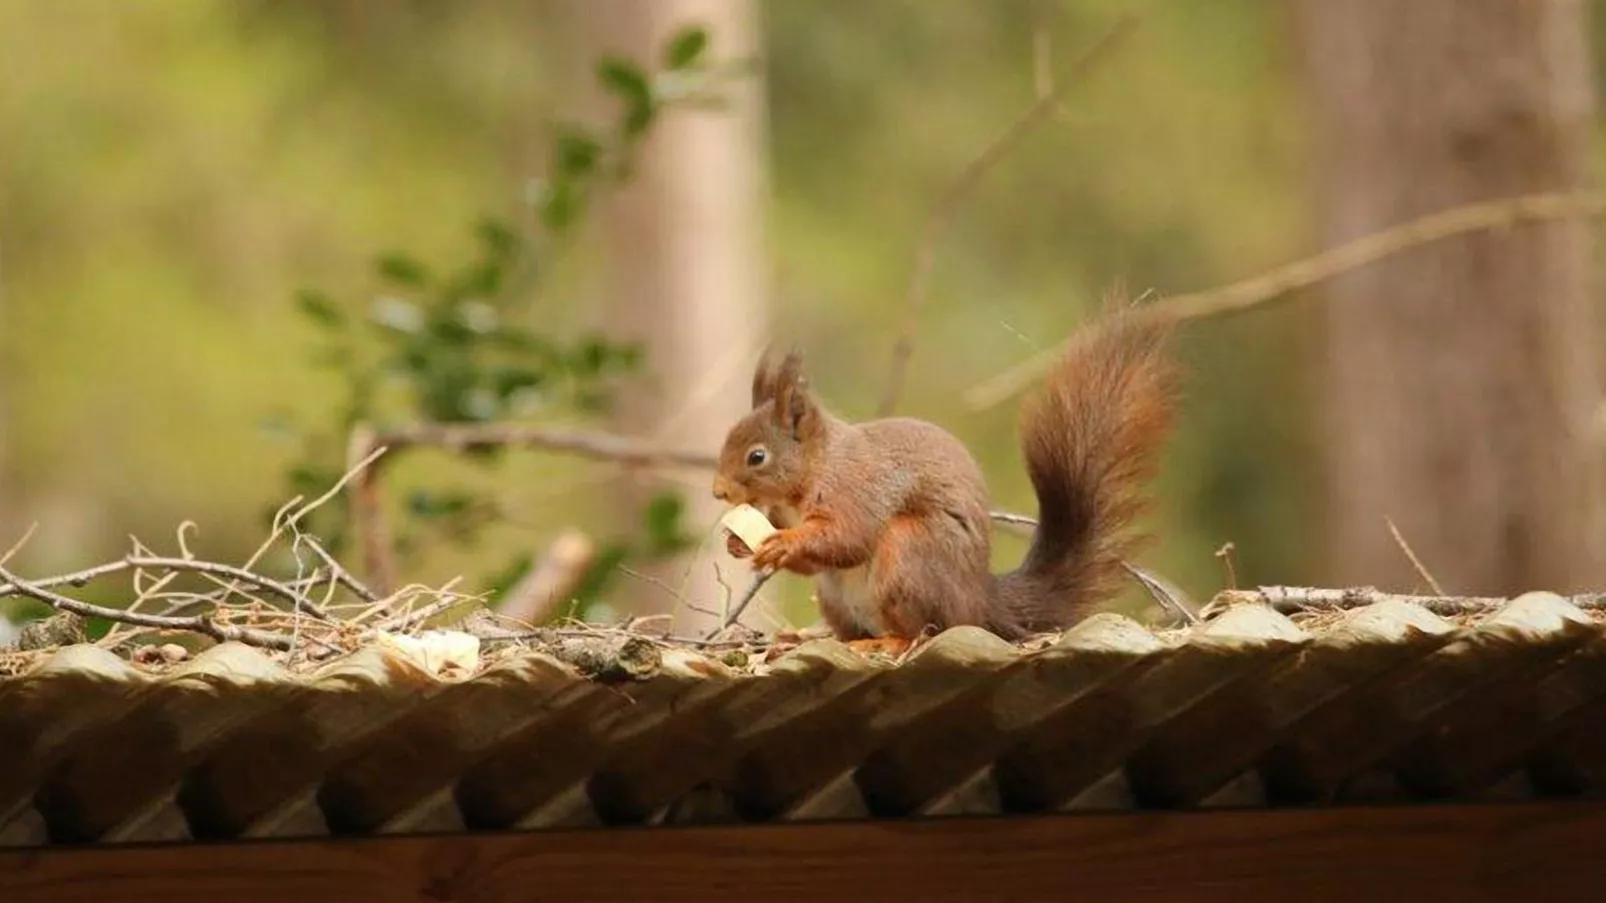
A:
<point x="172" y="171"/>
<point x="451" y="349"/>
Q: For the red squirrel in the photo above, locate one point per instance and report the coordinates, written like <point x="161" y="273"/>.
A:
<point x="891" y="516"/>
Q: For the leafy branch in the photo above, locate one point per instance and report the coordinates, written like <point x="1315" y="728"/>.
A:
<point x="452" y="346"/>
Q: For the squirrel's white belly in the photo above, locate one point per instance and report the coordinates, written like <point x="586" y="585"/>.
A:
<point x="851" y="590"/>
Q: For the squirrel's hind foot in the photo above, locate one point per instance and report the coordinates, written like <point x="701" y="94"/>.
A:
<point x="890" y="646"/>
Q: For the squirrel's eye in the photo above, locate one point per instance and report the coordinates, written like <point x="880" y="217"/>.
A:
<point x="756" y="457"/>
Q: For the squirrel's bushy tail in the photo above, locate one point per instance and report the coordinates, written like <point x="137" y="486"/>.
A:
<point x="1091" y="438"/>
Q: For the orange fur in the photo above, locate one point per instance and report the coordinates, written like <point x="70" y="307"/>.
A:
<point x="891" y="516"/>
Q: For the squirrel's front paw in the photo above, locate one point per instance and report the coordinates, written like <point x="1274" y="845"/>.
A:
<point x="779" y="552"/>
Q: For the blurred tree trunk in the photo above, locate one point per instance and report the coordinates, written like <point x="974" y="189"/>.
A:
<point x="686" y="267"/>
<point x="1462" y="376"/>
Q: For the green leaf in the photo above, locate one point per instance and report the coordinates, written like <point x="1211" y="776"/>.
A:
<point x="594" y="356"/>
<point x="638" y="119"/>
<point x="561" y="206"/>
<point x="624" y="78"/>
<point x="686" y="47"/>
<point x="482" y="281"/>
<point x="500" y="241"/>
<point x="510" y="380"/>
<point x="577" y="153"/>
<point x="317" y="306"/>
<point x="429" y="504"/>
<point x="628" y="81"/>
<point x="403" y="270"/>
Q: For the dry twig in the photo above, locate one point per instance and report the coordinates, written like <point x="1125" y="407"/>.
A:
<point x="1225" y="553"/>
<point x="1416" y="562"/>
<point x="947" y="208"/>
<point x="1294" y="599"/>
<point x="17" y="546"/>
<point x="734" y="615"/>
<point x="1260" y="290"/>
<point x="241" y="577"/>
<point x="204" y="624"/>
<point x="1168" y="595"/>
<point x="583" y="443"/>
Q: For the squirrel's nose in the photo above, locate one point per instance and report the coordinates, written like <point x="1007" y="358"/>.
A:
<point x="722" y="489"/>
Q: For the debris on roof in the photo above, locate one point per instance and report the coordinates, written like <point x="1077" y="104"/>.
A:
<point x="1388" y="701"/>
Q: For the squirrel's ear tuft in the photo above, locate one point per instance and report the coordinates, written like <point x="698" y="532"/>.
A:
<point x="764" y="376"/>
<point x="794" y="409"/>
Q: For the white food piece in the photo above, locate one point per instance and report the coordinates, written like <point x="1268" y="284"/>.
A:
<point x="437" y="650"/>
<point x="749" y="524"/>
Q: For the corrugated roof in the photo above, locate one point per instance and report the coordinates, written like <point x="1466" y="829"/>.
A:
<point x="1388" y="701"/>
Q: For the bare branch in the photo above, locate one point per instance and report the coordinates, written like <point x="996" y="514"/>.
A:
<point x="339" y="574"/>
<point x="586" y="444"/>
<point x="75" y="579"/>
<point x="1225" y="553"/>
<point x="1169" y="596"/>
<point x="583" y="443"/>
<point x="1416" y="562"/>
<point x="947" y="208"/>
<point x="21" y="541"/>
<point x="735" y="614"/>
<point x="1261" y="290"/>
<point x="445" y="601"/>
<point x="1294" y="599"/>
<point x="241" y="576"/>
<point x="204" y="624"/>
<point x="653" y="581"/>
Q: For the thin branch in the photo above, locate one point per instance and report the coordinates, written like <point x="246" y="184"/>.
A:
<point x="947" y="207"/>
<point x="735" y="614"/>
<point x="654" y="581"/>
<point x="205" y="624"/>
<point x="702" y="610"/>
<point x="239" y="575"/>
<point x="172" y="565"/>
<point x="446" y="602"/>
<point x="585" y="444"/>
<point x="339" y="574"/>
<point x="75" y="579"/>
<point x="373" y="454"/>
<point x="1169" y="596"/>
<point x="1260" y="291"/>
<point x="592" y="631"/>
<point x="1294" y="599"/>
<point x="17" y="546"/>
<point x="1225" y="553"/>
<point x="725" y="592"/>
<point x="1416" y="562"/>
